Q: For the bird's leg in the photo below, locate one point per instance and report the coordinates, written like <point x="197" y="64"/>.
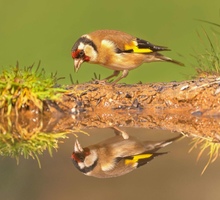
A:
<point x="118" y="131"/>
<point x="115" y="73"/>
<point x="103" y="81"/>
<point x="123" y="75"/>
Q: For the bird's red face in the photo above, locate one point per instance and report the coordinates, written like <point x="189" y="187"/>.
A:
<point x="79" y="57"/>
<point x="79" y="156"/>
<point x="83" y="159"/>
<point x="84" y="50"/>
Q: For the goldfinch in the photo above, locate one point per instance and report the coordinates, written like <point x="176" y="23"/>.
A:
<point x="116" y="50"/>
<point x="116" y="156"/>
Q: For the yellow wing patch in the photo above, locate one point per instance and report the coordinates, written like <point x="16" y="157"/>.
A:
<point x="133" y="46"/>
<point x="137" y="158"/>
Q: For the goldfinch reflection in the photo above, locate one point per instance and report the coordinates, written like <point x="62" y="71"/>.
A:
<point x="116" y="156"/>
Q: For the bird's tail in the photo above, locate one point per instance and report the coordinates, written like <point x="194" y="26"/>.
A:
<point x="154" y="146"/>
<point x="161" y="57"/>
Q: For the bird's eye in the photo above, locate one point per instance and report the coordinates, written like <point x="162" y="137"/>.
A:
<point x="81" y="157"/>
<point x="78" y="157"/>
<point x="81" y="54"/>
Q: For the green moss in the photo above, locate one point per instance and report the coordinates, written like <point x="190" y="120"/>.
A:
<point x="208" y="61"/>
<point x="208" y="144"/>
<point x="33" y="146"/>
<point x="24" y="86"/>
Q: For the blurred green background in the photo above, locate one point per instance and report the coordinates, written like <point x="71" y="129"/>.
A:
<point x="46" y="30"/>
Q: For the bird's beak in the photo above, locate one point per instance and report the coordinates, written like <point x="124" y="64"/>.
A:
<point x="77" y="147"/>
<point x="77" y="63"/>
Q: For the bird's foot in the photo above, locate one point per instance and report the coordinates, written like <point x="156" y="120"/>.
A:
<point x="97" y="81"/>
